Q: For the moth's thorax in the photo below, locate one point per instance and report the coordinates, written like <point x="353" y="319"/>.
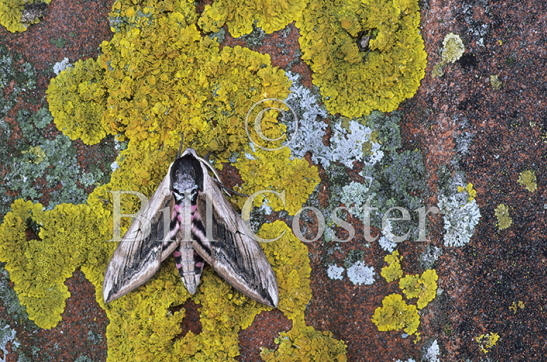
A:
<point x="186" y="180"/>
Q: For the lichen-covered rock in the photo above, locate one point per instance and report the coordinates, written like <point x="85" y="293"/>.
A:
<point x="17" y="15"/>
<point x="393" y="270"/>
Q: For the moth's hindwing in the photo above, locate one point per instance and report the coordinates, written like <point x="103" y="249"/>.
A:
<point x="141" y="250"/>
<point x="236" y="257"/>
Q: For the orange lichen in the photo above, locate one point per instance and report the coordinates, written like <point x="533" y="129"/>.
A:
<point x="77" y="100"/>
<point x="240" y="15"/>
<point x="365" y="55"/>
<point x="423" y="287"/>
<point x="396" y="315"/>
<point x="393" y="270"/>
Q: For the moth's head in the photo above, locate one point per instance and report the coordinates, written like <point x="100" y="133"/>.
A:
<point x="186" y="178"/>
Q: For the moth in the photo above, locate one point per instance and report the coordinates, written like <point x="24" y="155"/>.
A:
<point x="203" y="228"/>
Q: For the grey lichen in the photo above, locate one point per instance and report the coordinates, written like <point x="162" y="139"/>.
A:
<point x="397" y="181"/>
<point x="335" y="272"/>
<point x="461" y="217"/>
<point x="16" y="79"/>
<point x="7" y="335"/>
<point x="83" y="358"/>
<point x="9" y="299"/>
<point x="32" y="160"/>
<point x="254" y="38"/>
<point x="429" y="256"/>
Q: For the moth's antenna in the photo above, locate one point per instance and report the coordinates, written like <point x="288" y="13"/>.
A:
<point x="210" y="168"/>
<point x="217" y="180"/>
<point x="180" y="146"/>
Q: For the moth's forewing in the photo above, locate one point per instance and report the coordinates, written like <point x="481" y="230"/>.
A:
<point x="235" y="256"/>
<point x="142" y="248"/>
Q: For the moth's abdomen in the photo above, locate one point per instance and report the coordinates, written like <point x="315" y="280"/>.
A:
<point x="189" y="265"/>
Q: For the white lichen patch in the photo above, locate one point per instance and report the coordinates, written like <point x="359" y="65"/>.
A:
<point x="360" y="274"/>
<point x="335" y="272"/>
<point x="62" y="65"/>
<point x="355" y="195"/>
<point x="460" y="216"/>
<point x="432" y="354"/>
<point x="386" y="240"/>
<point x="311" y="129"/>
<point x="387" y="244"/>
<point x="348" y="145"/>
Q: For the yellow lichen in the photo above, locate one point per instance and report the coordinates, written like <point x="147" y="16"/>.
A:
<point x="240" y="15"/>
<point x="39" y="265"/>
<point x="515" y="306"/>
<point x="77" y="100"/>
<point x="380" y="75"/>
<point x="396" y="315"/>
<point x="141" y="325"/>
<point x="35" y="154"/>
<point x="277" y="171"/>
<point x="166" y="79"/>
<point x="502" y="214"/>
<point x="423" y="287"/>
<point x="495" y="82"/>
<point x="14" y="16"/>
<point x="487" y="341"/>
<point x="393" y="270"/>
<point x="303" y="343"/>
<point x="452" y="51"/>
<point x="470" y="191"/>
<point x="437" y="70"/>
<point x="131" y="13"/>
<point x="289" y="258"/>
<point x="453" y="48"/>
<point x="528" y="180"/>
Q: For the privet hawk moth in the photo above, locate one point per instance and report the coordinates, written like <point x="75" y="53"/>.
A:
<point x="203" y="228"/>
